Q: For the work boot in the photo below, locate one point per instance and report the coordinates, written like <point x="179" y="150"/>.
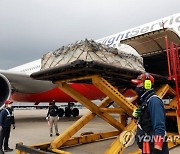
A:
<point x="1" y="151"/>
<point x="7" y="149"/>
<point x="57" y="134"/>
<point x="50" y="135"/>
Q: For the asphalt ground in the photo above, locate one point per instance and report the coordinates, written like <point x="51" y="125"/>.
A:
<point x="32" y="128"/>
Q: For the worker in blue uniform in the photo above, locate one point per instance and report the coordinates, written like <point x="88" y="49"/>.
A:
<point x="150" y="115"/>
<point x="6" y="120"/>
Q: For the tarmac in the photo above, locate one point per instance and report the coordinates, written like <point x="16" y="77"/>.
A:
<point x="32" y="128"/>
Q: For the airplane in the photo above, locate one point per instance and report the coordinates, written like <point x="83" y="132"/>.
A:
<point x="17" y="84"/>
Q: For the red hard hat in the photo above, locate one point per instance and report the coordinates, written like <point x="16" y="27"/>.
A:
<point x="8" y="102"/>
<point x="141" y="78"/>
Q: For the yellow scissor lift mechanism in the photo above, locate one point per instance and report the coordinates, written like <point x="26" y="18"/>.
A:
<point x="124" y="132"/>
<point x="121" y="142"/>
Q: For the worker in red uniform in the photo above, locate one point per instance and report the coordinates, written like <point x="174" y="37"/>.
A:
<point x="151" y="131"/>
<point x="6" y="120"/>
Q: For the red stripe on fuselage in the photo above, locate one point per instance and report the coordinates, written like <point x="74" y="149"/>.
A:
<point x="88" y="90"/>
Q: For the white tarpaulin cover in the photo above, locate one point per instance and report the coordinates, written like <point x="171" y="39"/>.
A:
<point x="89" y="50"/>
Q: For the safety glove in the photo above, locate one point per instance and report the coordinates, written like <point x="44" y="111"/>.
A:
<point x="136" y="113"/>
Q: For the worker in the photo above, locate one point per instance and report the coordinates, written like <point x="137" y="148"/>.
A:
<point x="6" y="120"/>
<point x="52" y="117"/>
<point x="150" y="115"/>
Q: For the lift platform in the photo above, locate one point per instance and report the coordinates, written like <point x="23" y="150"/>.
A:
<point x="115" y="83"/>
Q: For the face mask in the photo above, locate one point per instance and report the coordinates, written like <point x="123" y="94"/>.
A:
<point x="140" y="91"/>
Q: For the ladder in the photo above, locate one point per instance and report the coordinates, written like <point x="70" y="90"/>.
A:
<point x="174" y="68"/>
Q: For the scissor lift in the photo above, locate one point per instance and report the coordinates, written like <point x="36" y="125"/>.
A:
<point x="122" y="141"/>
<point x="107" y="84"/>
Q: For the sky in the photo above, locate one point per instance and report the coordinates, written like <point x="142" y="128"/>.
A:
<point x="31" y="28"/>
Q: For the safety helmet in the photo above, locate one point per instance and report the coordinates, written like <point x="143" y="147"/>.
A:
<point x="145" y="78"/>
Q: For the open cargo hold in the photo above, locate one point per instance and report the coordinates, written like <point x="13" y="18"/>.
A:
<point x="152" y="48"/>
